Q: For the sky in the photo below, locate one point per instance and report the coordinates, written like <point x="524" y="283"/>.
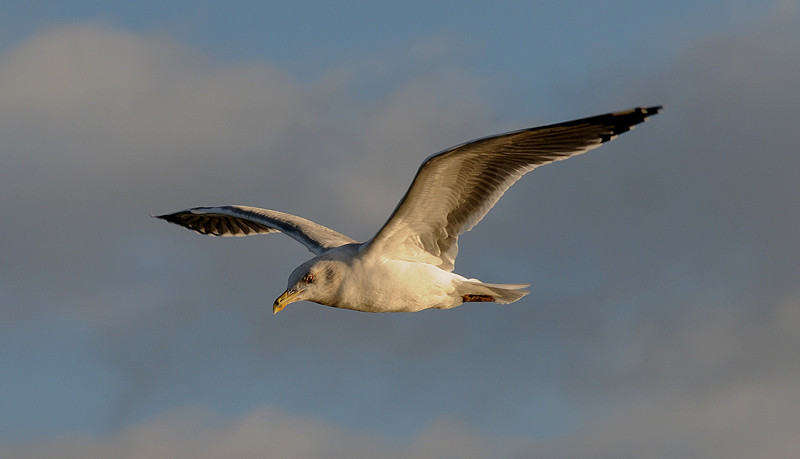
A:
<point x="664" y="318"/>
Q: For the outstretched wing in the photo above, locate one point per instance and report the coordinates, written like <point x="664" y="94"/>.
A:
<point x="244" y="221"/>
<point x="455" y="188"/>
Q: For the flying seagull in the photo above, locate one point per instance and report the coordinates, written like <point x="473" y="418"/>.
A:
<point x="408" y="265"/>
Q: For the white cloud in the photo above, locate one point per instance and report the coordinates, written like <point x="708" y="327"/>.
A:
<point x="266" y="432"/>
<point x="739" y="422"/>
<point x="111" y="92"/>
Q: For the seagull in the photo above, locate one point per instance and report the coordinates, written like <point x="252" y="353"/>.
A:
<point x="408" y="265"/>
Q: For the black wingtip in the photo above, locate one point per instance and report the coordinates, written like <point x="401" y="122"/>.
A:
<point x="172" y="218"/>
<point x="651" y="111"/>
<point x="624" y="121"/>
<point x="639" y="114"/>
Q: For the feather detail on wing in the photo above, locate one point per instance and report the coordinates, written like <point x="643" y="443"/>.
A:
<point x="244" y="221"/>
<point x="454" y="189"/>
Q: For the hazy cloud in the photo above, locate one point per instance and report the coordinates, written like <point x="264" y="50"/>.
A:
<point x="266" y="432"/>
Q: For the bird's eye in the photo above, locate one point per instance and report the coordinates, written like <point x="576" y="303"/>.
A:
<point x="308" y="279"/>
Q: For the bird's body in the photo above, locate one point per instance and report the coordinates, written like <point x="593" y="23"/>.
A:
<point x="407" y="266"/>
<point x="382" y="284"/>
<point x="388" y="285"/>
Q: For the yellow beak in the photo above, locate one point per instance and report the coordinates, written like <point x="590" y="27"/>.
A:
<point x="289" y="296"/>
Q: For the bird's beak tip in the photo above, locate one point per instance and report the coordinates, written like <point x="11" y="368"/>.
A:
<point x="285" y="298"/>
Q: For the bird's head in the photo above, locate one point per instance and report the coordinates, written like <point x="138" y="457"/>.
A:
<point x="316" y="280"/>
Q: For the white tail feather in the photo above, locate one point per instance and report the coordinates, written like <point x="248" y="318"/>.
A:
<point x="474" y="290"/>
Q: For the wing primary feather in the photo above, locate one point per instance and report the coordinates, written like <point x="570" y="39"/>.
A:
<point x="244" y="221"/>
<point x="454" y="189"/>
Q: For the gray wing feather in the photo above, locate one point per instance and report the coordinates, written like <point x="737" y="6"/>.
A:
<point x="245" y="221"/>
<point x="454" y="189"/>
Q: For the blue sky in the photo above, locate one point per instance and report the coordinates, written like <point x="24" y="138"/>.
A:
<point x="664" y="312"/>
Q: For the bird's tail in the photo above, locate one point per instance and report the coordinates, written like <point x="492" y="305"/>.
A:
<point x="473" y="290"/>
